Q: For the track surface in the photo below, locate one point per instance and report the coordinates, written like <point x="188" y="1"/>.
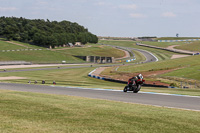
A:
<point x="183" y="102"/>
<point x="149" y="56"/>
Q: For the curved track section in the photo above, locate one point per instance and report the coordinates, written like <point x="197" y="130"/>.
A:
<point x="149" y="56"/>
<point x="170" y="101"/>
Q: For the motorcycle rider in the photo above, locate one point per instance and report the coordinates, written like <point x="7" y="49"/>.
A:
<point x="131" y="81"/>
<point x="135" y="78"/>
<point x="134" y="84"/>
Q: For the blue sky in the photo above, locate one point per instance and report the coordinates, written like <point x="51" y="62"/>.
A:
<point x="120" y="18"/>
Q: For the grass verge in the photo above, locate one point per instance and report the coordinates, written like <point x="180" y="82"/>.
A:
<point x="54" y="56"/>
<point x="194" y="46"/>
<point x="160" y="54"/>
<point x="78" y="78"/>
<point x="190" y="92"/>
<point x="32" y="112"/>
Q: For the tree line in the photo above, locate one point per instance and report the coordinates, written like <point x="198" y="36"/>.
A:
<point x="44" y="32"/>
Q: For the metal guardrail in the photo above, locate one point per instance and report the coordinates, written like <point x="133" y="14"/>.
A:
<point x="171" y="50"/>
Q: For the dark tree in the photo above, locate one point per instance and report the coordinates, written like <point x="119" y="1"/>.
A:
<point x="44" y="33"/>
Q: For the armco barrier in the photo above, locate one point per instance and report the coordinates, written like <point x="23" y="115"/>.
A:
<point x="122" y="82"/>
<point x="130" y="60"/>
<point x="187" y="40"/>
<point x="171" y="50"/>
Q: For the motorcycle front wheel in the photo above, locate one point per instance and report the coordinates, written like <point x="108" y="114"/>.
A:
<point x="125" y="89"/>
<point x="137" y="89"/>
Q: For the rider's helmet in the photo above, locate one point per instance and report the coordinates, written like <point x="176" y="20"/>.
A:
<point x="140" y="76"/>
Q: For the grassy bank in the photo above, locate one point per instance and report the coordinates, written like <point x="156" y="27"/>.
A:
<point x="191" y="92"/>
<point x="160" y="54"/>
<point x="64" y="77"/>
<point x="188" y="67"/>
<point x="8" y="46"/>
<point x="176" y="38"/>
<point x="94" y="50"/>
<point x="184" y="69"/>
<point x="57" y="56"/>
<point x="32" y="112"/>
<point x="78" y="78"/>
<point x="163" y="65"/>
<point x="193" y="46"/>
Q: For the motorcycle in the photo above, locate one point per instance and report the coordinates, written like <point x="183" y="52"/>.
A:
<point x="134" y="84"/>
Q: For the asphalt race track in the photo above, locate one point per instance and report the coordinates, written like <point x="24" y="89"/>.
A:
<point x="149" y="56"/>
<point x="172" y="101"/>
<point x="162" y="100"/>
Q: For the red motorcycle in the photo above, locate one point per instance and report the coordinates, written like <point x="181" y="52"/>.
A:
<point x="134" y="84"/>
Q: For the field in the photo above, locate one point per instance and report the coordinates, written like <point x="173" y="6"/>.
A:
<point x="33" y="112"/>
<point x="160" y="54"/>
<point x="163" y="65"/>
<point x="185" y="70"/>
<point x="193" y="46"/>
<point x="78" y="78"/>
<point x="163" y="44"/>
<point x="64" y="77"/>
<point x="51" y="56"/>
<point x="94" y="50"/>
<point x="8" y="46"/>
<point x="176" y="38"/>
<point x="182" y="69"/>
<point x="39" y="56"/>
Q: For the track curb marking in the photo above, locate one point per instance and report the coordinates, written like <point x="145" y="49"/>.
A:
<point x="142" y="92"/>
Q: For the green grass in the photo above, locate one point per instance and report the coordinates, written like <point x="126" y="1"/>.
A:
<point x="176" y="38"/>
<point x="64" y="77"/>
<point x="160" y="54"/>
<point x="48" y="56"/>
<point x="189" y="65"/>
<point x="43" y="56"/>
<point x="118" y="43"/>
<point x="32" y="112"/>
<point x="194" y="46"/>
<point x="162" y="65"/>
<point x="191" y="92"/>
<point x="78" y="78"/>
<point x="190" y="72"/>
<point x="191" y="46"/>
<point x="28" y="45"/>
<point x="162" y="44"/>
<point x="95" y="50"/>
<point x="139" y="57"/>
<point x="8" y="46"/>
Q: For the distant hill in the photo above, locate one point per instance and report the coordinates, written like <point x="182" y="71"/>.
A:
<point x="44" y="32"/>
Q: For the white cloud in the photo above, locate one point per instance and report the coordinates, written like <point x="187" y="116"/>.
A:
<point x="42" y="2"/>
<point x="3" y="9"/>
<point x="100" y="3"/>
<point x="137" y="15"/>
<point x="128" y="7"/>
<point x="168" y="14"/>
